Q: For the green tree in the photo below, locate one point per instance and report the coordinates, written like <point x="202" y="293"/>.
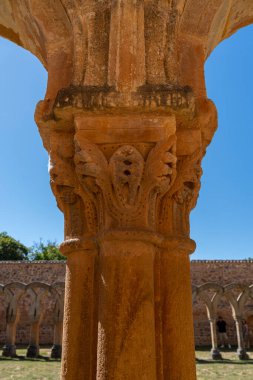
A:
<point x="45" y="251"/>
<point x="12" y="249"/>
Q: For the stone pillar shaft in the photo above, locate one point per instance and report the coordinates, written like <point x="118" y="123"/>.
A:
<point x="241" y="351"/>
<point x="33" y="348"/>
<point x="56" y="351"/>
<point x="213" y="333"/>
<point x="239" y="334"/>
<point x="135" y="317"/>
<point x="126" y="314"/>
<point x="11" y="332"/>
<point x="174" y="315"/>
<point x="9" y="348"/>
<point x="34" y="333"/>
<point x="79" y="330"/>
<point x="58" y="333"/>
<point x="216" y="355"/>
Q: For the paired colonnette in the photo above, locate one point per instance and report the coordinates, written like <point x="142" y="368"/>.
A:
<point x="126" y="122"/>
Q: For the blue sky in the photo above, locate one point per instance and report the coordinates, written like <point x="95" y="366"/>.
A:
<point x="221" y="224"/>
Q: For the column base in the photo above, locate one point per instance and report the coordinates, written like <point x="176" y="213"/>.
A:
<point x="215" y="354"/>
<point x="56" y="351"/>
<point x="9" y="350"/>
<point x="242" y="354"/>
<point x="32" y="351"/>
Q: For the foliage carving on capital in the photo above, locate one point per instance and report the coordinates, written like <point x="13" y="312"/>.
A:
<point x="124" y="188"/>
<point x="63" y="182"/>
<point x="173" y="210"/>
<point x="187" y="184"/>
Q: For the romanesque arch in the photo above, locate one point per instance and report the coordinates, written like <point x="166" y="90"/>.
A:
<point x="237" y="295"/>
<point x="30" y="304"/>
<point x="22" y="304"/>
<point x="126" y="122"/>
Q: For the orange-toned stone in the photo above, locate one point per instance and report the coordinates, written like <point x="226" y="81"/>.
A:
<point x="126" y="123"/>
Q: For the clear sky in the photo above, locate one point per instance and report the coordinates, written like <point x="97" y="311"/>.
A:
<point x="221" y="224"/>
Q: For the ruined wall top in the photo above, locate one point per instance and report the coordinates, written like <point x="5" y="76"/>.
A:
<point x="220" y="271"/>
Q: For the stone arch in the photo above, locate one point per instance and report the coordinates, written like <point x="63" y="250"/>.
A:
<point x="201" y="324"/>
<point x="37" y="299"/>
<point x="225" y="23"/>
<point x="48" y="30"/>
<point x="236" y="303"/>
<point x="14" y="292"/>
<point x="36" y="314"/>
<point x="245" y="301"/>
<point x="209" y="293"/>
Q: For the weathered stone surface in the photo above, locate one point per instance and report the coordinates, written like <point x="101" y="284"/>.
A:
<point x="126" y="123"/>
<point x="208" y="276"/>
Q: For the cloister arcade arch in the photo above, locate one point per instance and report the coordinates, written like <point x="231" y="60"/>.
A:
<point x="237" y="295"/>
<point x="31" y="305"/>
<point x="147" y="60"/>
<point x="24" y="306"/>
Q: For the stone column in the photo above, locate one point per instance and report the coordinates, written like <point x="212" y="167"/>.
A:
<point x="80" y="321"/>
<point x="12" y="318"/>
<point x="126" y="122"/>
<point x="174" y="319"/>
<point x="9" y="349"/>
<point x="126" y="184"/>
<point x="56" y="350"/>
<point x="241" y="351"/>
<point x="36" y="313"/>
<point x="33" y="349"/>
<point x="216" y="355"/>
<point x="126" y="141"/>
<point x="126" y="314"/>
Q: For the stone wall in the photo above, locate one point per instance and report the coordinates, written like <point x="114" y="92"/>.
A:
<point x="26" y="272"/>
<point x="219" y="272"/>
<point x="223" y="272"/>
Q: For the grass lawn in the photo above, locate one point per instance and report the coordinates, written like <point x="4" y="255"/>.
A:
<point x="30" y="369"/>
<point x="230" y="368"/>
<point x="44" y="369"/>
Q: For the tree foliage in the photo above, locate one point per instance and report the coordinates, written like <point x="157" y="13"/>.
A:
<point x="12" y="249"/>
<point x="45" y="251"/>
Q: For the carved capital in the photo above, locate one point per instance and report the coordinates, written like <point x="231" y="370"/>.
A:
<point x="123" y="166"/>
<point x="124" y="187"/>
<point x="125" y="172"/>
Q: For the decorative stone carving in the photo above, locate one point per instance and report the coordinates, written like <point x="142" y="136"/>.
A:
<point x="126" y="186"/>
<point x="130" y="183"/>
<point x="126" y="123"/>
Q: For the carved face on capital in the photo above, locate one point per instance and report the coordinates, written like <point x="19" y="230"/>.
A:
<point x="161" y="165"/>
<point x="87" y="172"/>
<point x="91" y="167"/>
<point x="61" y="172"/>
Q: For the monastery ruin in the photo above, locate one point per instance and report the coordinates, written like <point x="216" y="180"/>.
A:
<point x="126" y="122"/>
<point x="32" y="299"/>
